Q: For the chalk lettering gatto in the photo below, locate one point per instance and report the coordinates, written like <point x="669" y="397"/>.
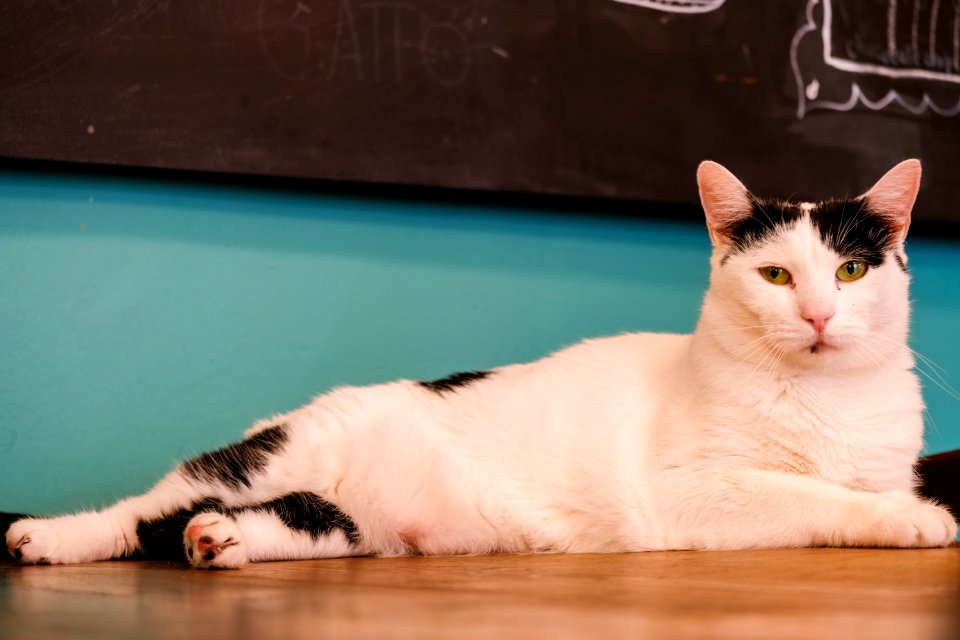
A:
<point x="370" y="41"/>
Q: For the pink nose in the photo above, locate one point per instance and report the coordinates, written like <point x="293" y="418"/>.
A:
<point x="818" y="319"/>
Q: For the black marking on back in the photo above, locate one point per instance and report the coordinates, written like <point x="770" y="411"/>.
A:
<point x="234" y="464"/>
<point x="312" y="514"/>
<point x="452" y="382"/>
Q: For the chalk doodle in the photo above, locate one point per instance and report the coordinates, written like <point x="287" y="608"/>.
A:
<point x="877" y="55"/>
<point x="677" y="6"/>
<point x="371" y="41"/>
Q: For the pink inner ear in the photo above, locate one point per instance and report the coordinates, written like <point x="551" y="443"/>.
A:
<point x="725" y="200"/>
<point x="895" y="193"/>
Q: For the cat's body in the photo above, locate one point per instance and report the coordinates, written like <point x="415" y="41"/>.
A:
<point x="791" y="417"/>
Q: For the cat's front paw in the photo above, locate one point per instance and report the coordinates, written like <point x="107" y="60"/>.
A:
<point x="914" y="524"/>
<point x="213" y="541"/>
<point x="34" y="541"/>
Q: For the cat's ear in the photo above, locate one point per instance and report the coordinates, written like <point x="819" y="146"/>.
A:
<point x="725" y="200"/>
<point x="894" y="194"/>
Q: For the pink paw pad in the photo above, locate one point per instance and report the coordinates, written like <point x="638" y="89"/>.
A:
<point x="206" y="546"/>
<point x="213" y="540"/>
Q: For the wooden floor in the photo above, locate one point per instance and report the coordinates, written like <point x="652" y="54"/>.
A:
<point x="807" y="593"/>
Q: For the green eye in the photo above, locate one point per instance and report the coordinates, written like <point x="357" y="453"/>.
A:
<point x="853" y="270"/>
<point x="776" y="275"/>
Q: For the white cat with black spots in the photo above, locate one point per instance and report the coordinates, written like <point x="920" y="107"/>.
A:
<point x="791" y="417"/>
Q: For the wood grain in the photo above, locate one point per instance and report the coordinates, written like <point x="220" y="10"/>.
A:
<point x="807" y="593"/>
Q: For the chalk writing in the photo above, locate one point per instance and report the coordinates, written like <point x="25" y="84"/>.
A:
<point x="903" y="53"/>
<point x="373" y="41"/>
<point x="678" y="6"/>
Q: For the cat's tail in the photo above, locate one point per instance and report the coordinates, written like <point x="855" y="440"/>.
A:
<point x="940" y="479"/>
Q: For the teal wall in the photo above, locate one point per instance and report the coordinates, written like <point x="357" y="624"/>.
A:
<point x="143" y="322"/>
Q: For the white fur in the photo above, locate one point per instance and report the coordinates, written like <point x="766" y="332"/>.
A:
<point x="736" y="436"/>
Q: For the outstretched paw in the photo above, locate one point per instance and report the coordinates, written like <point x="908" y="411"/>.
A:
<point x="33" y="541"/>
<point x="915" y="523"/>
<point x="213" y="541"/>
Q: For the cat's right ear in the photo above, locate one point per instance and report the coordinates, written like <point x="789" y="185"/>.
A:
<point x="725" y="200"/>
<point x="894" y="195"/>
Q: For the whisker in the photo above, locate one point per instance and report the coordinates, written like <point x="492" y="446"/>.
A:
<point x="934" y="375"/>
<point x="872" y="350"/>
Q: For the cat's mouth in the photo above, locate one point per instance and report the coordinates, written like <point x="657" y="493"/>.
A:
<point x="821" y="345"/>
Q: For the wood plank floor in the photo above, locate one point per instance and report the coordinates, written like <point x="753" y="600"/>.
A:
<point x="806" y="593"/>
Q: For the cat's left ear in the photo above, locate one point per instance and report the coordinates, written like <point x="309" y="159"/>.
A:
<point x="724" y="198"/>
<point x="894" y="194"/>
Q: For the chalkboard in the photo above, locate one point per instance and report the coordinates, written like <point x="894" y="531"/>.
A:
<point x="600" y="98"/>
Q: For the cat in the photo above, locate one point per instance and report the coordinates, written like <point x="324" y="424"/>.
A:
<point x="791" y="417"/>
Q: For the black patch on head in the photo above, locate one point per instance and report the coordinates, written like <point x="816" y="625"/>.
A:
<point x="234" y="464"/>
<point x="450" y="383"/>
<point x="766" y="218"/>
<point x="852" y="230"/>
<point x="846" y="226"/>
<point x="161" y="538"/>
<point x="312" y="514"/>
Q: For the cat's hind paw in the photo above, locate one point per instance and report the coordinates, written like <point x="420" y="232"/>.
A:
<point x="34" y="541"/>
<point x="213" y="541"/>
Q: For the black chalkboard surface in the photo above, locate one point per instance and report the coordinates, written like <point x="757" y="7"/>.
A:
<point x="601" y="98"/>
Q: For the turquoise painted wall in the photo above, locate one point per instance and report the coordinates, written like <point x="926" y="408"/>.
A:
<point x="143" y="322"/>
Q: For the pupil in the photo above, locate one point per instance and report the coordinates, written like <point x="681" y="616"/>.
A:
<point x="851" y="268"/>
<point x="774" y="272"/>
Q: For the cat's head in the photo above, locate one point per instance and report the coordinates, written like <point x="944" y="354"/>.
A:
<point x="809" y="284"/>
